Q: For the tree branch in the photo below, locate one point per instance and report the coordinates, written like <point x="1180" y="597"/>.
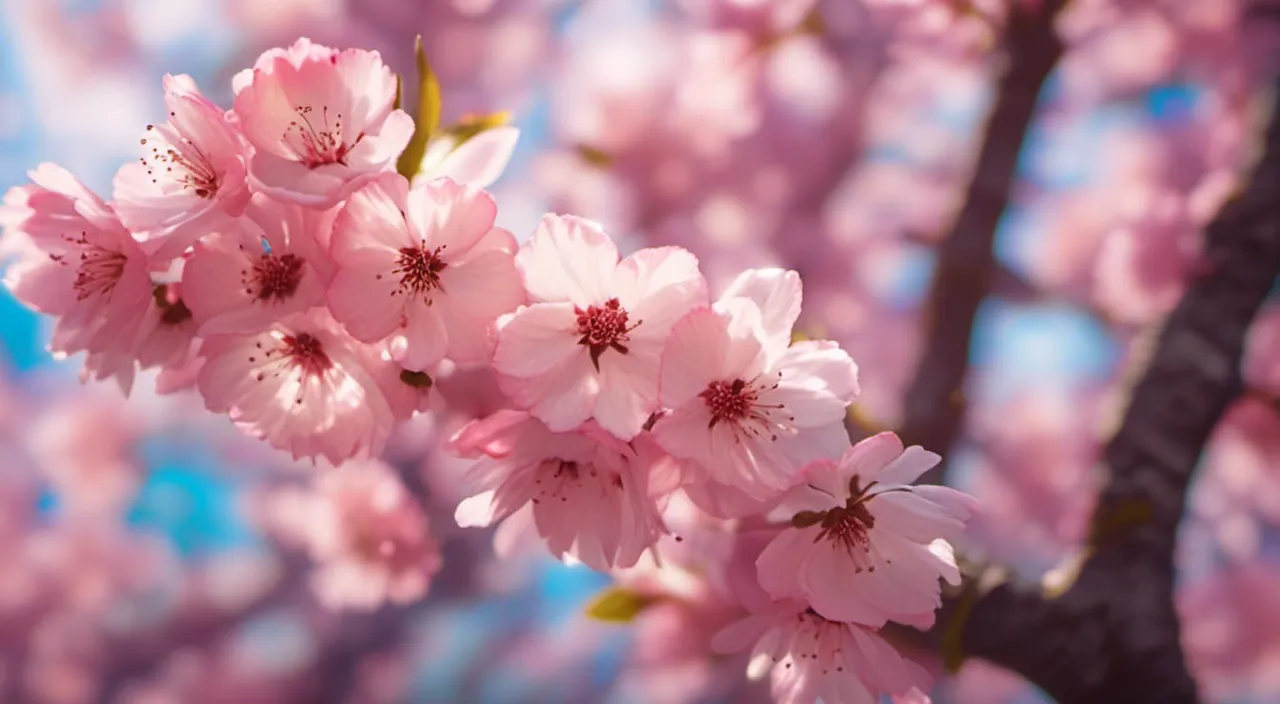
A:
<point x="1112" y="635"/>
<point x="935" y="407"/>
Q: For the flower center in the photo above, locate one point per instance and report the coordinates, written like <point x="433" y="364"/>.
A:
<point x="376" y="546"/>
<point x="303" y="353"/>
<point x="848" y="526"/>
<point x="737" y="403"/>
<point x="98" y="270"/>
<point x="274" y="278"/>
<point x="604" y="327"/>
<point x="173" y="310"/>
<point x="816" y="642"/>
<point x="315" y="142"/>
<point x="180" y="161"/>
<point x="419" y="270"/>
<point x="306" y="352"/>
<point x="559" y="479"/>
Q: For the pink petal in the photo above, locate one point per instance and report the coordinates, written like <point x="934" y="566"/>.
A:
<point x="782" y="562"/>
<point x="537" y="339"/>
<point x="425" y="338"/>
<point x="563" y="397"/>
<point x="777" y="293"/>
<point x="479" y="161"/>
<point x="739" y="635"/>
<point x="476" y="511"/>
<point x="832" y="587"/>
<point x="568" y="259"/>
<point x="392" y="138"/>
<point x="363" y="296"/>
<point x="684" y="432"/>
<point x="870" y="455"/>
<point x="628" y="394"/>
<point x="444" y="213"/>
<point x="696" y="354"/>
<point x="818" y="383"/>
<point x="658" y="285"/>
<point x="907" y="467"/>
<point x="372" y="218"/>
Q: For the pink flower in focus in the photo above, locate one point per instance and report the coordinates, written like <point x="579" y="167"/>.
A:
<point x="321" y="123"/>
<point x="267" y="265"/>
<point x="589" y="344"/>
<point x="749" y="409"/>
<point x="588" y="492"/>
<point x="302" y="385"/>
<point x="192" y="175"/>
<point x="75" y="260"/>
<point x="809" y="657"/>
<point x="369" y="536"/>
<point x="864" y="545"/>
<point x="424" y="266"/>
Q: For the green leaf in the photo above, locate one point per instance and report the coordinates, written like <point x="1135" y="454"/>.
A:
<point x="472" y="125"/>
<point x="427" y="119"/>
<point x="595" y="156"/>
<point x="618" y="605"/>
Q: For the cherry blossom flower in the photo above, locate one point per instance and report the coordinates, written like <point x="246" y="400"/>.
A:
<point x="863" y="545"/>
<point x="424" y="266"/>
<point x="302" y="385"/>
<point x="191" y="177"/>
<point x="268" y="265"/>
<point x="321" y="123"/>
<point x="587" y="491"/>
<point x="809" y="657"/>
<point x="75" y="260"/>
<point x="368" y="535"/>
<point x="588" y="346"/>
<point x="748" y="408"/>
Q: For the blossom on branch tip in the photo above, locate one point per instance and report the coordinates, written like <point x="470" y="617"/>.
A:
<point x="588" y="344"/>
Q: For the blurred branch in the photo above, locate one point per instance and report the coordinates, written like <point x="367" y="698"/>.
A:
<point x="935" y="406"/>
<point x="1111" y="633"/>
<point x="140" y="656"/>
<point x="335" y="675"/>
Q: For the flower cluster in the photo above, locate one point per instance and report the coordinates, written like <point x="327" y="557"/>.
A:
<point x="280" y="259"/>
